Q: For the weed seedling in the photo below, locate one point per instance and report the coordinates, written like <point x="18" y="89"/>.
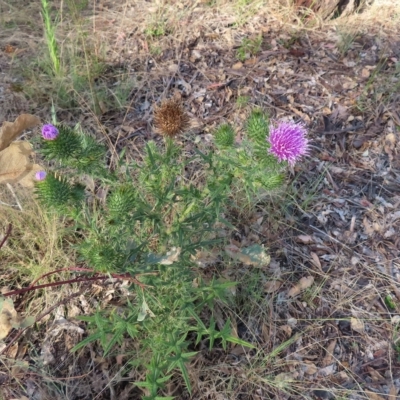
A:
<point x="249" y="47"/>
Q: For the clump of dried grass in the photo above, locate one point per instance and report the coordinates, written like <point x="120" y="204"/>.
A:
<point x="38" y="244"/>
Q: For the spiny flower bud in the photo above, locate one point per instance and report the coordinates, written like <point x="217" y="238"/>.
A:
<point x="121" y="201"/>
<point x="53" y="191"/>
<point x="288" y="141"/>
<point x="257" y="130"/>
<point x="64" y="145"/>
<point x="257" y="126"/>
<point x="170" y="118"/>
<point x="224" y="136"/>
<point x="49" y="132"/>
<point x="57" y="192"/>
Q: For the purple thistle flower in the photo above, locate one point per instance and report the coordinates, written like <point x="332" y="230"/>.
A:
<point x="288" y="141"/>
<point x="40" y="175"/>
<point x="49" y="132"/>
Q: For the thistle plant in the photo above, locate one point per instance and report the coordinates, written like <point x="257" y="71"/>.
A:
<point x="153" y="220"/>
<point x="260" y="162"/>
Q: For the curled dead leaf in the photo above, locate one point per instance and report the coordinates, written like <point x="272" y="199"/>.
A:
<point x="286" y="329"/>
<point x="171" y="256"/>
<point x="393" y="392"/>
<point x="11" y="130"/>
<point x="204" y="258"/>
<point x="306" y="239"/>
<point x="373" y="396"/>
<point x="329" y="357"/>
<point x="272" y="286"/>
<point x="302" y="284"/>
<point x="310" y="368"/>
<point x="16" y="166"/>
<point x="315" y="260"/>
<point x="10" y="319"/>
<point x="357" y="325"/>
<point x="254" y="255"/>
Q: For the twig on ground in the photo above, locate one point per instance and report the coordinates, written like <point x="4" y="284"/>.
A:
<point x="10" y="188"/>
<point x="8" y="232"/>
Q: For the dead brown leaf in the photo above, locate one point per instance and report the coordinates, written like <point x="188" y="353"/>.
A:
<point x="357" y="325"/>
<point x="272" y="286"/>
<point x="286" y="329"/>
<point x="13" y="351"/>
<point x="373" y="396"/>
<point x="315" y="260"/>
<point x="304" y="283"/>
<point x="9" y="49"/>
<point x="11" y="130"/>
<point x="311" y="368"/>
<point x="375" y="375"/>
<point x="238" y="65"/>
<point x="8" y="317"/>
<point x="254" y="255"/>
<point x="306" y="239"/>
<point x="329" y="353"/>
<point x="205" y="258"/>
<point x="15" y="164"/>
<point x="392" y="393"/>
<point x="171" y="256"/>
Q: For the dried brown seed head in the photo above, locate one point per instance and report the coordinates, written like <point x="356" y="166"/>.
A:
<point x="170" y="118"/>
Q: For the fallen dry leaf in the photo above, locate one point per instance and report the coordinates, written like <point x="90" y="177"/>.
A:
<point x="8" y="317"/>
<point x="9" y="49"/>
<point x="326" y="371"/>
<point x="327" y="360"/>
<point x="357" y="325"/>
<point x="365" y="73"/>
<point x="171" y="256"/>
<point x="238" y="65"/>
<point x="304" y="283"/>
<point x="375" y="375"/>
<point x="315" y="260"/>
<point x="373" y="396"/>
<point x="310" y="368"/>
<point x="286" y="329"/>
<point x="11" y="130"/>
<point x="15" y="164"/>
<point x="204" y="258"/>
<point x="392" y="393"/>
<point x="306" y="239"/>
<point x="272" y="286"/>
<point x="12" y="351"/>
<point x="254" y="255"/>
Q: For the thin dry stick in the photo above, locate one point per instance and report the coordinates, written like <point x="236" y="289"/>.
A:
<point x="77" y="269"/>
<point x="8" y="233"/>
<point x="15" y="196"/>
<point x="75" y="280"/>
<point x="134" y="279"/>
